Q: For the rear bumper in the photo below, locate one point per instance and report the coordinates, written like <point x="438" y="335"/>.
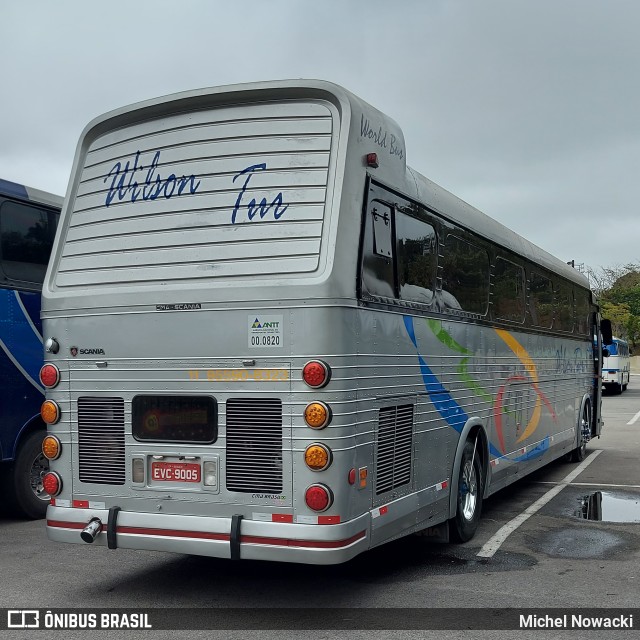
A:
<point x="206" y="536"/>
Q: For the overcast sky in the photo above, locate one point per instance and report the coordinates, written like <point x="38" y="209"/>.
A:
<point x="527" y="109"/>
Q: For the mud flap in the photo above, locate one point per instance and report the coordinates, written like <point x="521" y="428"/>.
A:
<point x="112" y="523"/>
<point x="235" y="537"/>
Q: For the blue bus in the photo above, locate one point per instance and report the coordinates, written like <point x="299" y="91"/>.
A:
<point x="28" y="221"/>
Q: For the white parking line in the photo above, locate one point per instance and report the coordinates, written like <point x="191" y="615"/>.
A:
<point x="495" y="542"/>
<point x="634" y="419"/>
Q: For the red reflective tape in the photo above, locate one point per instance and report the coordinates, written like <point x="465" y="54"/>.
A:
<point x="281" y="517"/>
<point x="328" y="519"/>
<point x="383" y="510"/>
<point x="80" y="504"/>
<point x="61" y="524"/>
<point x="445" y="484"/>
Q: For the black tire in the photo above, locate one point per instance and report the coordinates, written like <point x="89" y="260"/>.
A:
<point x="26" y="493"/>
<point x="469" y="499"/>
<point x="580" y="452"/>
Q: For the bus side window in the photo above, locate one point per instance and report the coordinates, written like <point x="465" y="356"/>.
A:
<point x="26" y="238"/>
<point x="465" y="276"/>
<point x="417" y="257"/>
<point x="541" y="301"/>
<point x="377" y="263"/>
<point x="508" y="291"/>
<point x="563" y="307"/>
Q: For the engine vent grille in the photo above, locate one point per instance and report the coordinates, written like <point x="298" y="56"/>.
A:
<point x="254" y="445"/>
<point x="395" y="446"/>
<point x="101" y="440"/>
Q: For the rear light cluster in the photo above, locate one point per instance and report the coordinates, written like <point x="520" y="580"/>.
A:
<point x="317" y="415"/>
<point x="50" y="413"/>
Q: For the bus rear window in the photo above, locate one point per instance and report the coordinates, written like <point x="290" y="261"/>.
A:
<point x="175" y="419"/>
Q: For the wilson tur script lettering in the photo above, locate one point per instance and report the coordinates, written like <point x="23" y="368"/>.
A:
<point x="130" y="183"/>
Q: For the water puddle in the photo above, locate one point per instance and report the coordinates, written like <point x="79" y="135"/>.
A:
<point x="606" y="507"/>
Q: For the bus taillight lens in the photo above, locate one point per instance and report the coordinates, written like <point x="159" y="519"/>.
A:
<point x="317" y="457"/>
<point x="316" y="373"/>
<point x="317" y="415"/>
<point x="51" y="448"/>
<point x="50" y="412"/>
<point x="318" y="497"/>
<point x="49" y="375"/>
<point x="52" y="483"/>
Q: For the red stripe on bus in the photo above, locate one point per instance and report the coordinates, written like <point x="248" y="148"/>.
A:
<point x="313" y="544"/>
<point x="61" y="524"/>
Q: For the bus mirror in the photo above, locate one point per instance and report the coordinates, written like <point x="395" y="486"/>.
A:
<point x="605" y="329"/>
<point x="605" y="353"/>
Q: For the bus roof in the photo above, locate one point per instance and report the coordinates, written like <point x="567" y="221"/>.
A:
<point x="22" y="192"/>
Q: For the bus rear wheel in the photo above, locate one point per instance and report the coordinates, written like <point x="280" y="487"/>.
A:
<point x="580" y="452"/>
<point x="26" y="493"/>
<point x="463" y="526"/>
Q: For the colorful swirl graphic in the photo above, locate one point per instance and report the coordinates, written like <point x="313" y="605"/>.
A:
<point x="532" y="372"/>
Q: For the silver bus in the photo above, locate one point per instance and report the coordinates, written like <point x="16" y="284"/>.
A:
<point x="268" y="338"/>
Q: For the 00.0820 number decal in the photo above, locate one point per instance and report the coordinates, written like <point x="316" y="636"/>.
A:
<point x="265" y="341"/>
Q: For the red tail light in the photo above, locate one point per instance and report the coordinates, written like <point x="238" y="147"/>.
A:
<point x="49" y="375"/>
<point x="316" y="373"/>
<point x="318" y="497"/>
<point x="52" y="483"/>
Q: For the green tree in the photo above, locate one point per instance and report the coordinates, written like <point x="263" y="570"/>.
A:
<point x="618" y="289"/>
<point x="620" y="316"/>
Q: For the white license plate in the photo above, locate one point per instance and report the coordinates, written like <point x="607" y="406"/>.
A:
<point x="176" y="471"/>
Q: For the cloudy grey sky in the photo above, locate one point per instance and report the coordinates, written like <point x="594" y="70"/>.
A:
<point x="527" y="109"/>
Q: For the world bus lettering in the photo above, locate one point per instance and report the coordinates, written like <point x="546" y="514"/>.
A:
<point x="125" y="187"/>
<point x="252" y="207"/>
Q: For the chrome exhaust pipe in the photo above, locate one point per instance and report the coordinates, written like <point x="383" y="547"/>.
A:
<point x="91" y="531"/>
